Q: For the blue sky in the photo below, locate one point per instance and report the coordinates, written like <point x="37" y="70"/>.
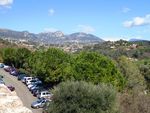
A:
<point x="107" y="19"/>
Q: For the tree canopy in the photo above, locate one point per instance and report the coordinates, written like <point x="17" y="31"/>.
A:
<point x="83" y="97"/>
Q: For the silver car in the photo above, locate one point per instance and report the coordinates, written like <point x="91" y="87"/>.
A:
<point x="39" y="103"/>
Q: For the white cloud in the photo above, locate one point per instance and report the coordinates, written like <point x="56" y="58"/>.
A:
<point x="50" y="29"/>
<point x="6" y="3"/>
<point x="126" y="9"/>
<point x="112" y="38"/>
<point x="51" y="12"/>
<point x="138" y="21"/>
<point x="85" y="28"/>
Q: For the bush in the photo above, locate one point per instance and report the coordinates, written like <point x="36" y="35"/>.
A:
<point x="135" y="81"/>
<point x="83" y="97"/>
<point x="96" y="68"/>
<point x="134" y="103"/>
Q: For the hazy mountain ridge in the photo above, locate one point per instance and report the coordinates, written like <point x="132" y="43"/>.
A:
<point x="137" y="40"/>
<point x="57" y="37"/>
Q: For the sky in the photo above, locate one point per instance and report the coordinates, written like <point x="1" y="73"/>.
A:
<point x="107" y="19"/>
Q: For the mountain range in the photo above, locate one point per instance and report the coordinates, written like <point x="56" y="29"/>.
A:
<point x="57" y="37"/>
<point x="137" y="40"/>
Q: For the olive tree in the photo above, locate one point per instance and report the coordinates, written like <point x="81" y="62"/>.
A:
<point x="83" y="97"/>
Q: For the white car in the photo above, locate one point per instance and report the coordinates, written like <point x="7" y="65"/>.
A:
<point x="24" y="79"/>
<point x="28" y="79"/>
<point x="6" y="66"/>
<point x="31" y="85"/>
<point x="45" y="94"/>
<point x="28" y="82"/>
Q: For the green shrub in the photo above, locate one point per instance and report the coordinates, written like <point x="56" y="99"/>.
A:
<point x="134" y="79"/>
<point x="96" y="68"/>
<point x="83" y="97"/>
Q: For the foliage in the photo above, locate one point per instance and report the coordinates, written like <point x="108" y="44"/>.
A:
<point x="134" y="103"/>
<point x="135" y="81"/>
<point x="122" y="48"/>
<point x="144" y="67"/>
<point x="96" y="68"/>
<point x="15" y="56"/>
<point x="54" y="66"/>
<point x="83" y="97"/>
<point x="21" y="55"/>
<point x="9" y="56"/>
<point x="49" y="65"/>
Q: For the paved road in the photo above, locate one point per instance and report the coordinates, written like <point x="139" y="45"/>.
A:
<point x="21" y="90"/>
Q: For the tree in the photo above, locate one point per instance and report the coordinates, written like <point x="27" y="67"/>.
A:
<point x="54" y="66"/>
<point x="21" y="55"/>
<point x="96" y="68"/>
<point x="83" y="97"/>
<point x="51" y="66"/>
<point x="134" y="79"/>
<point x="15" y="56"/>
<point x="144" y="66"/>
<point x="9" y="56"/>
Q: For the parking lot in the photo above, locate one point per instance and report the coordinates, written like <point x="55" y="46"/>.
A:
<point x="21" y="90"/>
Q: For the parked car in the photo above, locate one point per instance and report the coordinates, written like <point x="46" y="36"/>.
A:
<point x="35" y="88"/>
<point x="36" y="92"/>
<point x="45" y="94"/>
<point x="7" y="68"/>
<point x="14" y="72"/>
<point x="24" y="79"/>
<point x="1" y="65"/>
<point x="33" y="81"/>
<point x="28" y="79"/>
<point x="34" y="85"/>
<point x="21" y="76"/>
<point x="11" y="88"/>
<point x="39" y="103"/>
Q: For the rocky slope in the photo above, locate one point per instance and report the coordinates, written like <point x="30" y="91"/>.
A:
<point x="10" y="102"/>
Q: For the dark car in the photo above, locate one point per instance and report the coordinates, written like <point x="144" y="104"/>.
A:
<point x="35" y="85"/>
<point x="36" y="92"/>
<point x="13" y="71"/>
<point x="21" y="76"/>
<point x="11" y="88"/>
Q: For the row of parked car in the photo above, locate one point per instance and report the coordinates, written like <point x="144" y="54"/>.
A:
<point x="35" y="86"/>
<point x="10" y="87"/>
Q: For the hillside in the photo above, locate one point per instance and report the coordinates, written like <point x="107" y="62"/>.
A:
<point x="136" y="49"/>
<point x="49" y="37"/>
<point x="5" y="43"/>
